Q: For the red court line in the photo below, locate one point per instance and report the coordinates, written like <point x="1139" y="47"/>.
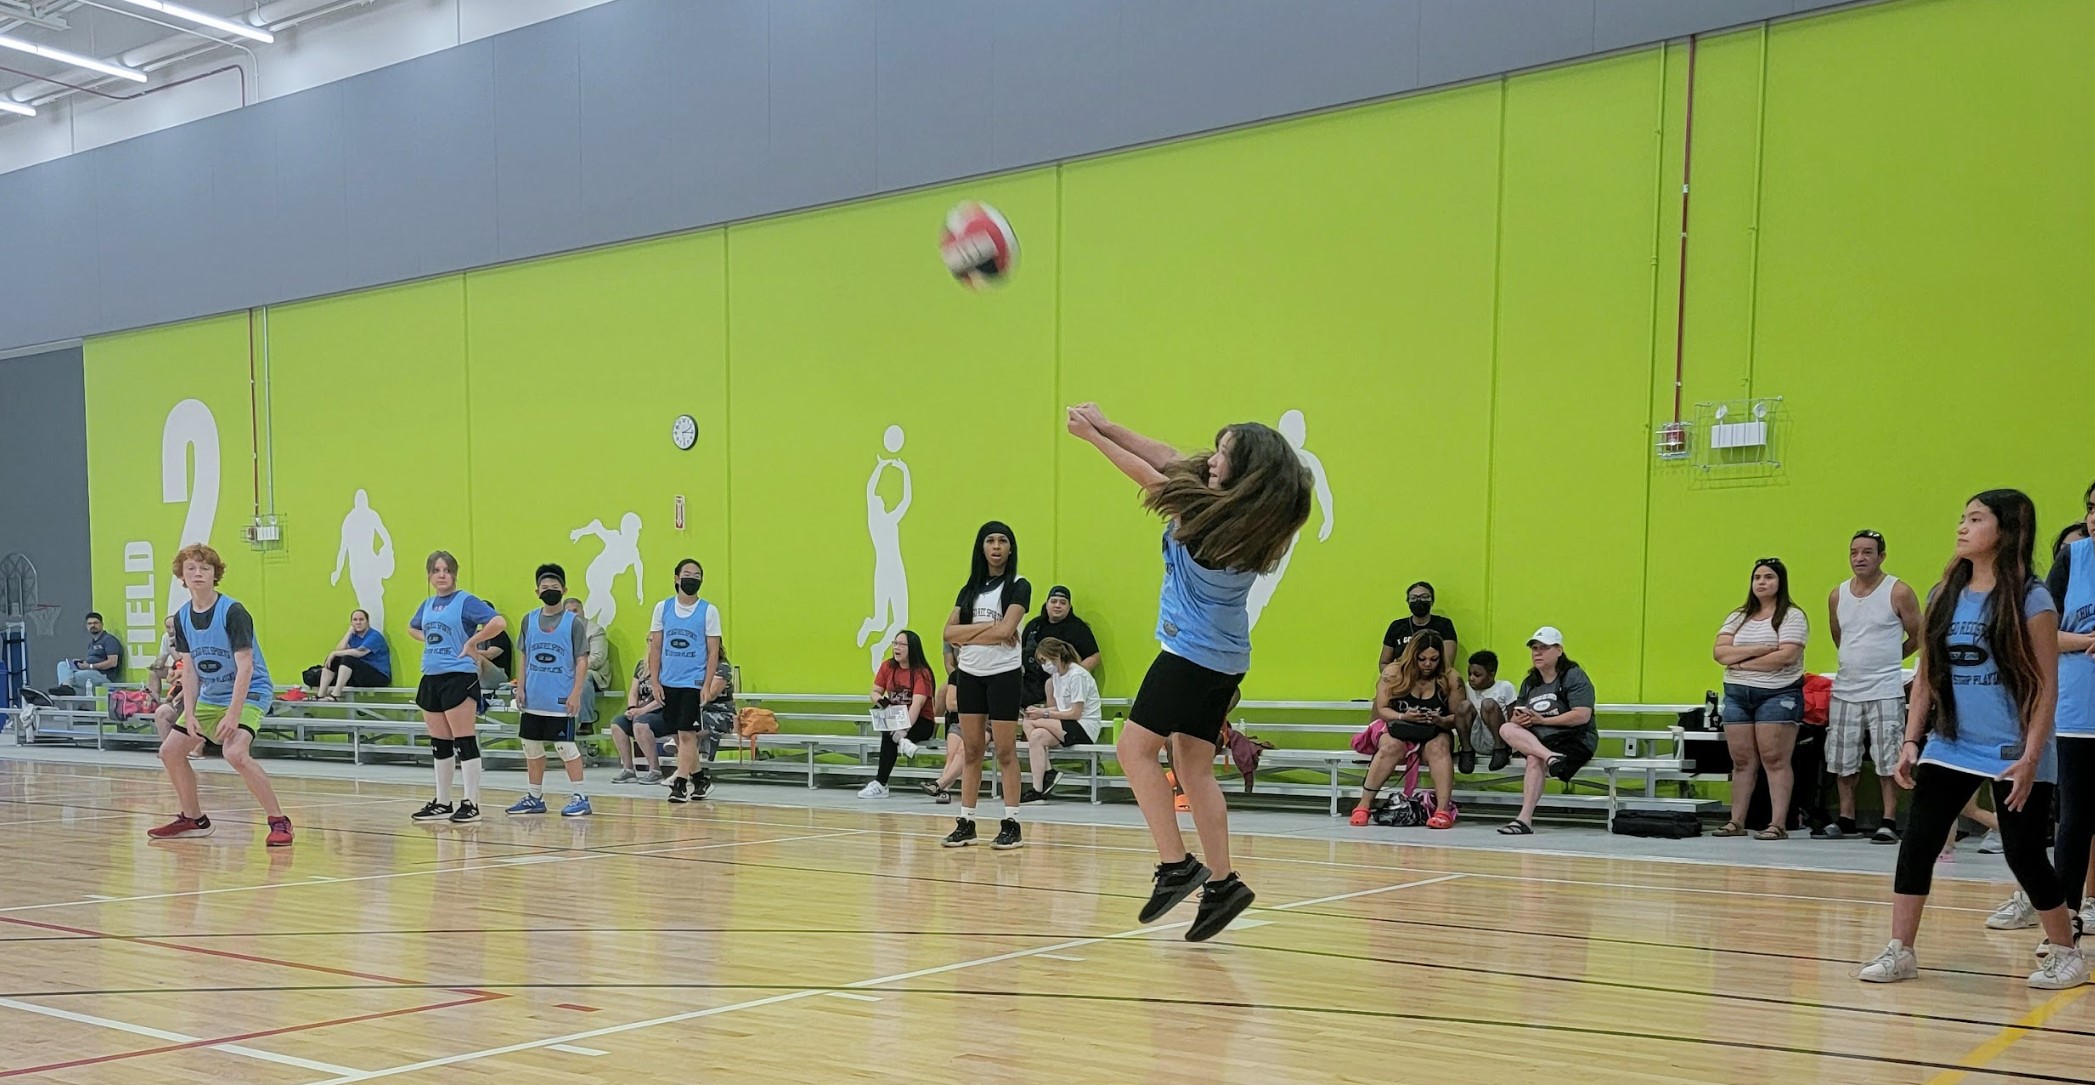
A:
<point x="228" y="954"/>
<point x="573" y="1006"/>
<point x="486" y="996"/>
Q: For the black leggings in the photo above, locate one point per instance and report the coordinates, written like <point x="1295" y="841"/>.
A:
<point x="1939" y="794"/>
<point x="2076" y="815"/>
<point x="920" y="731"/>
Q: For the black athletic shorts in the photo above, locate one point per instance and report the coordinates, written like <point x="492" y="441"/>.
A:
<point x="1181" y="697"/>
<point x="1418" y="734"/>
<point x="444" y="692"/>
<point x="995" y="696"/>
<point x="952" y="723"/>
<point x="546" y="728"/>
<point x="1576" y="744"/>
<point x="681" y="707"/>
<point x="1073" y="734"/>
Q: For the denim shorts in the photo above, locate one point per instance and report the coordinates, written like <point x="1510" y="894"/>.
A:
<point x="1752" y="704"/>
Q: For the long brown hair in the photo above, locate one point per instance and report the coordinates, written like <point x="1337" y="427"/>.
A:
<point x="2007" y="635"/>
<point x="1247" y="524"/>
<point x="1409" y="675"/>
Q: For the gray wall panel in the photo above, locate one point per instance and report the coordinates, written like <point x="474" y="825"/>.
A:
<point x="641" y="117"/>
<point x="1462" y="39"/>
<point x="936" y="84"/>
<point x="538" y="140"/>
<point x="43" y="421"/>
<point x="822" y="93"/>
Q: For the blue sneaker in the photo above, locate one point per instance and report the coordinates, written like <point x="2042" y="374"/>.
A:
<point x="529" y="804"/>
<point x="577" y="806"/>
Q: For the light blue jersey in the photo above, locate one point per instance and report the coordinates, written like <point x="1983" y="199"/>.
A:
<point x="1989" y="730"/>
<point x="1202" y="617"/>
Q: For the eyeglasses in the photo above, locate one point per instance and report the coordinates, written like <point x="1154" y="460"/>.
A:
<point x="1772" y="563"/>
<point x="1869" y="535"/>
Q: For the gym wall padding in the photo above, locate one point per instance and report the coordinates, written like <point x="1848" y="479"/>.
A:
<point x="1469" y="295"/>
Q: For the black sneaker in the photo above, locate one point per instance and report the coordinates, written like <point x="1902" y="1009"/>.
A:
<point x="1220" y="902"/>
<point x="1007" y="835"/>
<point x="1886" y="833"/>
<point x="1031" y="795"/>
<point x="1174" y="882"/>
<point x="1828" y="831"/>
<point x="1465" y="761"/>
<point x="679" y="790"/>
<point x="701" y="785"/>
<point x="434" y="811"/>
<point x="468" y="812"/>
<point x="1499" y="759"/>
<point x="1047" y="780"/>
<point x="962" y="835"/>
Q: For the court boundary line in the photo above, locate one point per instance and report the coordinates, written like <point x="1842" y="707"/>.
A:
<point x="182" y="1041"/>
<point x="790" y="996"/>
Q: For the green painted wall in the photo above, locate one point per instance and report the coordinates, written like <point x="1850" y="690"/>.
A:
<point x="1470" y="297"/>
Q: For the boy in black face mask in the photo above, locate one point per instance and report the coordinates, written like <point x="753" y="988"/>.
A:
<point x="550" y="686"/>
<point x="686" y="663"/>
<point x="1420" y="597"/>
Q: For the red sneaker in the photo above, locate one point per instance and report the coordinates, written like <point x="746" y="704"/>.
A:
<point x="182" y="828"/>
<point x="279" y="832"/>
<point x="1360" y="814"/>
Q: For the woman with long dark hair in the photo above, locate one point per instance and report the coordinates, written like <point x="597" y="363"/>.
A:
<point x="1981" y="713"/>
<point x="985" y="626"/>
<point x="1232" y="514"/>
<point x="1415" y="699"/>
<point x="1761" y="645"/>
<point x="904" y="683"/>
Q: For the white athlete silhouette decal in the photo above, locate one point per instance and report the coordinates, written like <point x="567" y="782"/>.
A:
<point x="1294" y="429"/>
<point x="370" y="566"/>
<point x="621" y="552"/>
<point x="890" y="580"/>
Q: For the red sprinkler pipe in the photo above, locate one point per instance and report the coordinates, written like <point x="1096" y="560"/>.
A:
<point x="1687" y="154"/>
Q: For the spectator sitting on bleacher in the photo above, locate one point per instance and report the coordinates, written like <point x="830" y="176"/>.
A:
<point x="1056" y="620"/>
<point x="1489" y="699"/>
<point x="637" y="726"/>
<point x="497" y="657"/>
<point x="360" y="658"/>
<point x="1073" y="720"/>
<point x="1551" y="723"/>
<point x="1417" y="699"/>
<point x="163" y="665"/>
<point x="170" y="710"/>
<point x="103" y="663"/>
<point x="903" y="684"/>
<point x="599" y="662"/>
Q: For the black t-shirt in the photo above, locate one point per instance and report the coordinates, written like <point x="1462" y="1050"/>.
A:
<point x="1402" y="630"/>
<point x="1571" y="689"/>
<point x="240" y="627"/>
<point x="1073" y="631"/>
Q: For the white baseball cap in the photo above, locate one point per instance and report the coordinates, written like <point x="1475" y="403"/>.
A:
<point x="1548" y="634"/>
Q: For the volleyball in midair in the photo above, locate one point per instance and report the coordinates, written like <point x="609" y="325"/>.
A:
<point x="979" y="247"/>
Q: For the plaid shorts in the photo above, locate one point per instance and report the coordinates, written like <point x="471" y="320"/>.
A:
<point x="1847" y="722"/>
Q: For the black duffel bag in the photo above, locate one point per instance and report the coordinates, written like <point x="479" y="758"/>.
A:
<point x="1669" y="824"/>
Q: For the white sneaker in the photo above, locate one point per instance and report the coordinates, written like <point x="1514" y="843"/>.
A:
<point x="2064" y="967"/>
<point x="1894" y="964"/>
<point x="1990" y="843"/>
<point x="873" y="790"/>
<point x="2045" y="947"/>
<point x="2014" y="915"/>
<point x="908" y="748"/>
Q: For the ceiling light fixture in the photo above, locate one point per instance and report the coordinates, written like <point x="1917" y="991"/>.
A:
<point x="7" y="106"/>
<point x="75" y="59"/>
<point x="177" y="11"/>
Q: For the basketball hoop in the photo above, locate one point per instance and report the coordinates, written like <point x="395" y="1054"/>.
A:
<point x="45" y="617"/>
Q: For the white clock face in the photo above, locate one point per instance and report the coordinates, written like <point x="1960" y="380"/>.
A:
<point x="684" y="431"/>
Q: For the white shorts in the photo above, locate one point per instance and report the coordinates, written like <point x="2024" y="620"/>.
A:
<point x="1848" y="722"/>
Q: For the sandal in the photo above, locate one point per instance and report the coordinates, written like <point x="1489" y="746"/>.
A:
<point x="1516" y="827"/>
<point x="1772" y="832"/>
<point x="1730" y="828"/>
<point x="1443" y="818"/>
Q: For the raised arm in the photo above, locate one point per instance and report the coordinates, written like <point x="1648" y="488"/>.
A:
<point x="1143" y="463"/>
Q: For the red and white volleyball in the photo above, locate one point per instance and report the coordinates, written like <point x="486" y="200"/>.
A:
<point x="979" y="247"/>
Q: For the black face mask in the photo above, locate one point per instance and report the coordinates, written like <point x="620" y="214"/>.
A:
<point x="551" y="596"/>
<point x="1421" y="607"/>
<point x="688" y="585"/>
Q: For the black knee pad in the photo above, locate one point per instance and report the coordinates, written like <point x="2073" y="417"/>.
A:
<point x="440" y="748"/>
<point x="468" y="747"/>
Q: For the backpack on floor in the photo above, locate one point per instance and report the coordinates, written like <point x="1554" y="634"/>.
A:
<point x="1409" y="808"/>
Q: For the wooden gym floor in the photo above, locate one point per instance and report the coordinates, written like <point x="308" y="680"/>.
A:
<point x="735" y="942"/>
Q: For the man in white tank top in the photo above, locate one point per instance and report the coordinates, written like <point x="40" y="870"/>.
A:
<point x="1876" y="625"/>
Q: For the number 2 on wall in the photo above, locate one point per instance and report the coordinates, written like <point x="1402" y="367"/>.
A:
<point x="190" y="429"/>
